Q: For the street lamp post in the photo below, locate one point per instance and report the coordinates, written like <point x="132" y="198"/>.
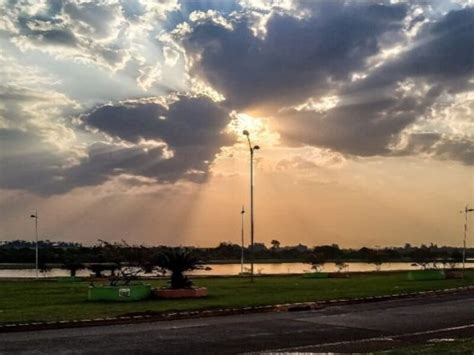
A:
<point x="35" y="216"/>
<point x="242" y="213"/>
<point x="466" y="211"/>
<point x="252" y="150"/>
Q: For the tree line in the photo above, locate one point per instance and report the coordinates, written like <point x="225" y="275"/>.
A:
<point x="19" y="251"/>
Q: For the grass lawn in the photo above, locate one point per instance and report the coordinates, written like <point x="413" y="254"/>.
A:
<point x="22" y="301"/>
<point x="460" y="346"/>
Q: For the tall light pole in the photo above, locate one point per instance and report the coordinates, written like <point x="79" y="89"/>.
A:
<point x="252" y="150"/>
<point x="466" y="211"/>
<point x="242" y="213"/>
<point x="35" y="216"/>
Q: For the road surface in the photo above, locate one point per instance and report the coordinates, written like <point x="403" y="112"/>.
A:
<point x="358" y="328"/>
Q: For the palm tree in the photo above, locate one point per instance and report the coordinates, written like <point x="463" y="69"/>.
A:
<point x="177" y="261"/>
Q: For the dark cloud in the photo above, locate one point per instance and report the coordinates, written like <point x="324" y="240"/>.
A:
<point x="27" y="162"/>
<point x="192" y="129"/>
<point x="297" y="57"/>
<point x="443" y="58"/>
<point x="442" y="54"/>
<point x="317" y="56"/>
<point x="455" y="149"/>
<point x="446" y="49"/>
<point x="440" y="146"/>
<point x="362" y="129"/>
<point x="105" y="160"/>
<point x="191" y="121"/>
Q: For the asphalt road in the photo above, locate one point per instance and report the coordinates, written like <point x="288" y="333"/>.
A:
<point x="358" y="328"/>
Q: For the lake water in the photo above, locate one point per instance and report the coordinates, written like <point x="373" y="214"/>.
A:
<point x="234" y="269"/>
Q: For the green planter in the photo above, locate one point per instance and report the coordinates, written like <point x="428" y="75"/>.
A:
<point x="316" y="275"/>
<point x="425" y="275"/>
<point x="135" y="292"/>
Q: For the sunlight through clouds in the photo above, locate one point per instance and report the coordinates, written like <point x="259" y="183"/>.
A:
<point x="141" y="104"/>
<point x="259" y="127"/>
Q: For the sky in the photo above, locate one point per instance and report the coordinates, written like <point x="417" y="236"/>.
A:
<point x="123" y="119"/>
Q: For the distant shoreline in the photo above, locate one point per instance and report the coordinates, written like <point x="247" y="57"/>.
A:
<point x="25" y="266"/>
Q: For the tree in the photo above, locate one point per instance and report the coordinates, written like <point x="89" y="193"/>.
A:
<point x="98" y="269"/>
<point x="455" y="258"/>
<point x="228" y="250"/>
<point x="43" y="267"/>
<point x="129" y="259"/>
<point x="317" y="261"/>
<point x="275" y="244"/>
<point x="177" y="261"/>
<point x="375" y="257"/>
<point x="341" y="265"/>
<point x="72" y="265"/>
<point x="422" y="257"/>
<point x="330" y="252"/>
<point x="364" y="253"/>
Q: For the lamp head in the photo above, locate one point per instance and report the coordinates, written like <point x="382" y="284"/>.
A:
<point x="33" y="216"/>
<point x="256" y="147"/>
<point x="246" y="133"/>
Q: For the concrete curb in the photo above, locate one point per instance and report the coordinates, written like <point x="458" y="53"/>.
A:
<point x="154" y="317"/>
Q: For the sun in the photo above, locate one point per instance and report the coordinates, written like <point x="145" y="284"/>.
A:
<point x="258" y="127"/>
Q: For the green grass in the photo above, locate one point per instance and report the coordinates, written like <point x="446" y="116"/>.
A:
<point x="22" y="301"/>
<point x="460" y="346"/>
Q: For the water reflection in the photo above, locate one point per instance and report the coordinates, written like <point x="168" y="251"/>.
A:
<point x="233" y="269"/>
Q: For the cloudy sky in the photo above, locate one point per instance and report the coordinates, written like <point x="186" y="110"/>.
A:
<point x="122" y="119"/>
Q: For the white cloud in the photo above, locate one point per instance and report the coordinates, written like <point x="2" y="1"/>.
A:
<point x="171" y="56"/>
<point x="103" y="33"/>
<point x="211" y="16"/>
<point x="30" y="101"/>
<point x="149" y="75"/>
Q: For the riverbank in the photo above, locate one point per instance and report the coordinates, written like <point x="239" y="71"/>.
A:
<point x="231" y="269"/>
<point x="20" y="266"/>
<point x="50" y="300"/>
